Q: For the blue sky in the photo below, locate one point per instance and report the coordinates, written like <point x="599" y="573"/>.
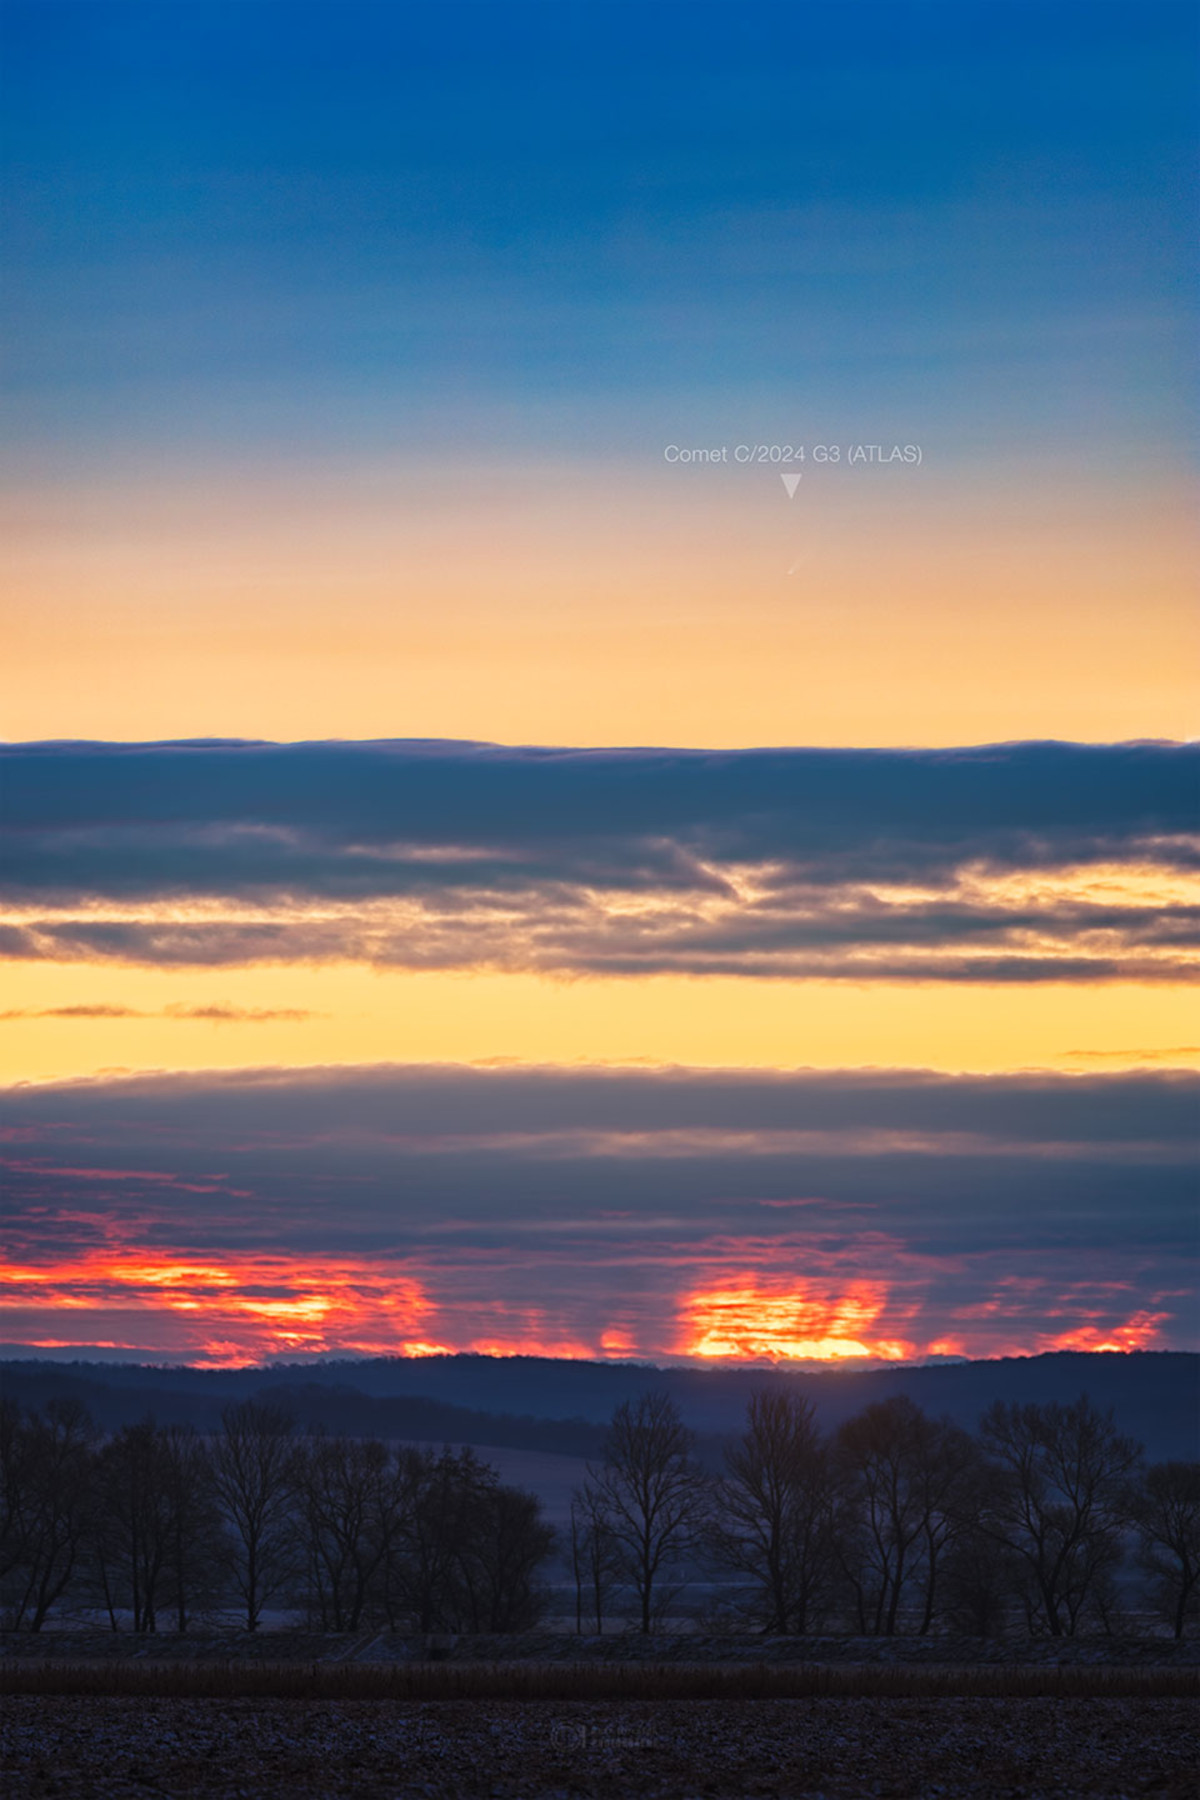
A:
<point x="481" y="226"/>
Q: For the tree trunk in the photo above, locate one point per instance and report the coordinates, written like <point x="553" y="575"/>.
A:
<point x="930" y="1584"/>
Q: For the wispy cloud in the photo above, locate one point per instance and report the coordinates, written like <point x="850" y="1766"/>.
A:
<point x="216" y="1014"/>
<point x="74" y="1012"/>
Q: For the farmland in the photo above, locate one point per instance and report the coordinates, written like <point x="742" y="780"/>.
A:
<point x="836" y="1747"/>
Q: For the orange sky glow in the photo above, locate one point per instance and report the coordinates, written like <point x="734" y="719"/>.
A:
<point x="592" y="605"/>
<point x="799" y="1322"/>
<point x="236" y="1310"/>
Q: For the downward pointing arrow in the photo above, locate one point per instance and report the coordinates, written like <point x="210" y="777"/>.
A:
<point x="791" y="483"/>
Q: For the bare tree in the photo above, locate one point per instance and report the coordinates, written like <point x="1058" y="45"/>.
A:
<point x="652" y="1494"/>
<point x="252" y="1465"/>
<point x="16" y="1498"/>
<point x="948" y="1479"/>
<point x="47" y="1486"/>
<point x="352" y="1504"/>
<point x="155" y="1529"/>
<point x="773" y="1509"/>
<point x="509" y="1542"/>
<point x="1165" y="1508"/>
<point x="51" y="1494"/>
<point x="1056" y="1501"/>
<point x="977" y="1581"/>
<point x="132" y="1489"/>
<point x="882" y="1513"/>
<point x="594" y="1560"/>
<point x="425" y="1574"/>
<point x="193" y="1553"/>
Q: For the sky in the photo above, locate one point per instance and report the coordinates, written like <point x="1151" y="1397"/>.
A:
<point x="489" y="863"/>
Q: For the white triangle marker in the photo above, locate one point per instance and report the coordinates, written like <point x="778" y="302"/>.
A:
<point x="791" y="483"/>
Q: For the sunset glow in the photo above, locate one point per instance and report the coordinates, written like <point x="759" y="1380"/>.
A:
<point x="252" y="1307"/>
<point x="510" y="631"/>
<point x="599" y="667"/>
<point x="1140" y="1332"/>
<point x="238" y="1311"/>
<point x="347" y="1013"/>
<point x="799" y="1323"/>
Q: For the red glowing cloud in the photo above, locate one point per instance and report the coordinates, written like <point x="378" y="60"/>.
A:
<point x="651" y="1214"/>
<point x="797" y="1320"/>
<point x="232" y="1309"/>
<point x="1140" y="1332"/>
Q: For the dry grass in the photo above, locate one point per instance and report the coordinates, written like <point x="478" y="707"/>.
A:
<point x="587" y="1681"/>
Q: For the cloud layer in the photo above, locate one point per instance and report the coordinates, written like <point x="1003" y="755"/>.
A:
<point x="598" y="1212"/>
<point x="1007" y="863"/>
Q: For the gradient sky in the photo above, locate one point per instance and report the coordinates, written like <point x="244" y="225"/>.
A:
<point x="349" y="342"/>
<point x="351" y="337"/>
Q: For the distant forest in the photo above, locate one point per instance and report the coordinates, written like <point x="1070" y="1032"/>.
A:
<point x="1047" y="1518"/>
<point x="549" y="1404"/>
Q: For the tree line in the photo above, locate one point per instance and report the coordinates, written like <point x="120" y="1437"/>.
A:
<point x="161" y="1525"/>
<point x="894" y="1522"/>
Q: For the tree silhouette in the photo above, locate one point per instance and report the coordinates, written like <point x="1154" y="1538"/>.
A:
<point x="651" y="1493"/>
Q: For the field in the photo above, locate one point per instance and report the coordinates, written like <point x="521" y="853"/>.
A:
<point x="541" y="1683"/>
<point x="826" y="1748"/>
<point x="200" y="1729"/>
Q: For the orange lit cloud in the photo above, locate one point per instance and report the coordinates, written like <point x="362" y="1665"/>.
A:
<point x="619" y="1213"/>
<point x="802" y="1321"/>
<point x="239" y="1309"/>
<point x="1028" y="1315"/>
<point x="720" y="918"/>
<point x="243" y="1308"/>
<point x="1139" y="1332"/>
<point x="569" y="1348"/>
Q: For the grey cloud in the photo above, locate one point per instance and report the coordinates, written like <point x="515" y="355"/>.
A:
<point x="528" y="858"/>
<point x="345" y="817"/>
<point x="464" y="1101"/>
<point x="529" y="1180"/>
<point x="844" y="941"/>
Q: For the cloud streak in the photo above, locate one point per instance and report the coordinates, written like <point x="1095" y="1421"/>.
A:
<point x="1025" y="862"/>
<point x="216" y="1014"/>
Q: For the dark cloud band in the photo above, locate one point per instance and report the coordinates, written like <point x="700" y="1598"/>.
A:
<point x="923" y="865"/>
<point x="597" y="1185"/>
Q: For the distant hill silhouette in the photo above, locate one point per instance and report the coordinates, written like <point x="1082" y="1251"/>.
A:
<point x="541" y="1403"/>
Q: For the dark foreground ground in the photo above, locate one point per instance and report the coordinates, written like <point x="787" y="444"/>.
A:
<point x="842" y="1748"/>
<point x="206" y="1646"/>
